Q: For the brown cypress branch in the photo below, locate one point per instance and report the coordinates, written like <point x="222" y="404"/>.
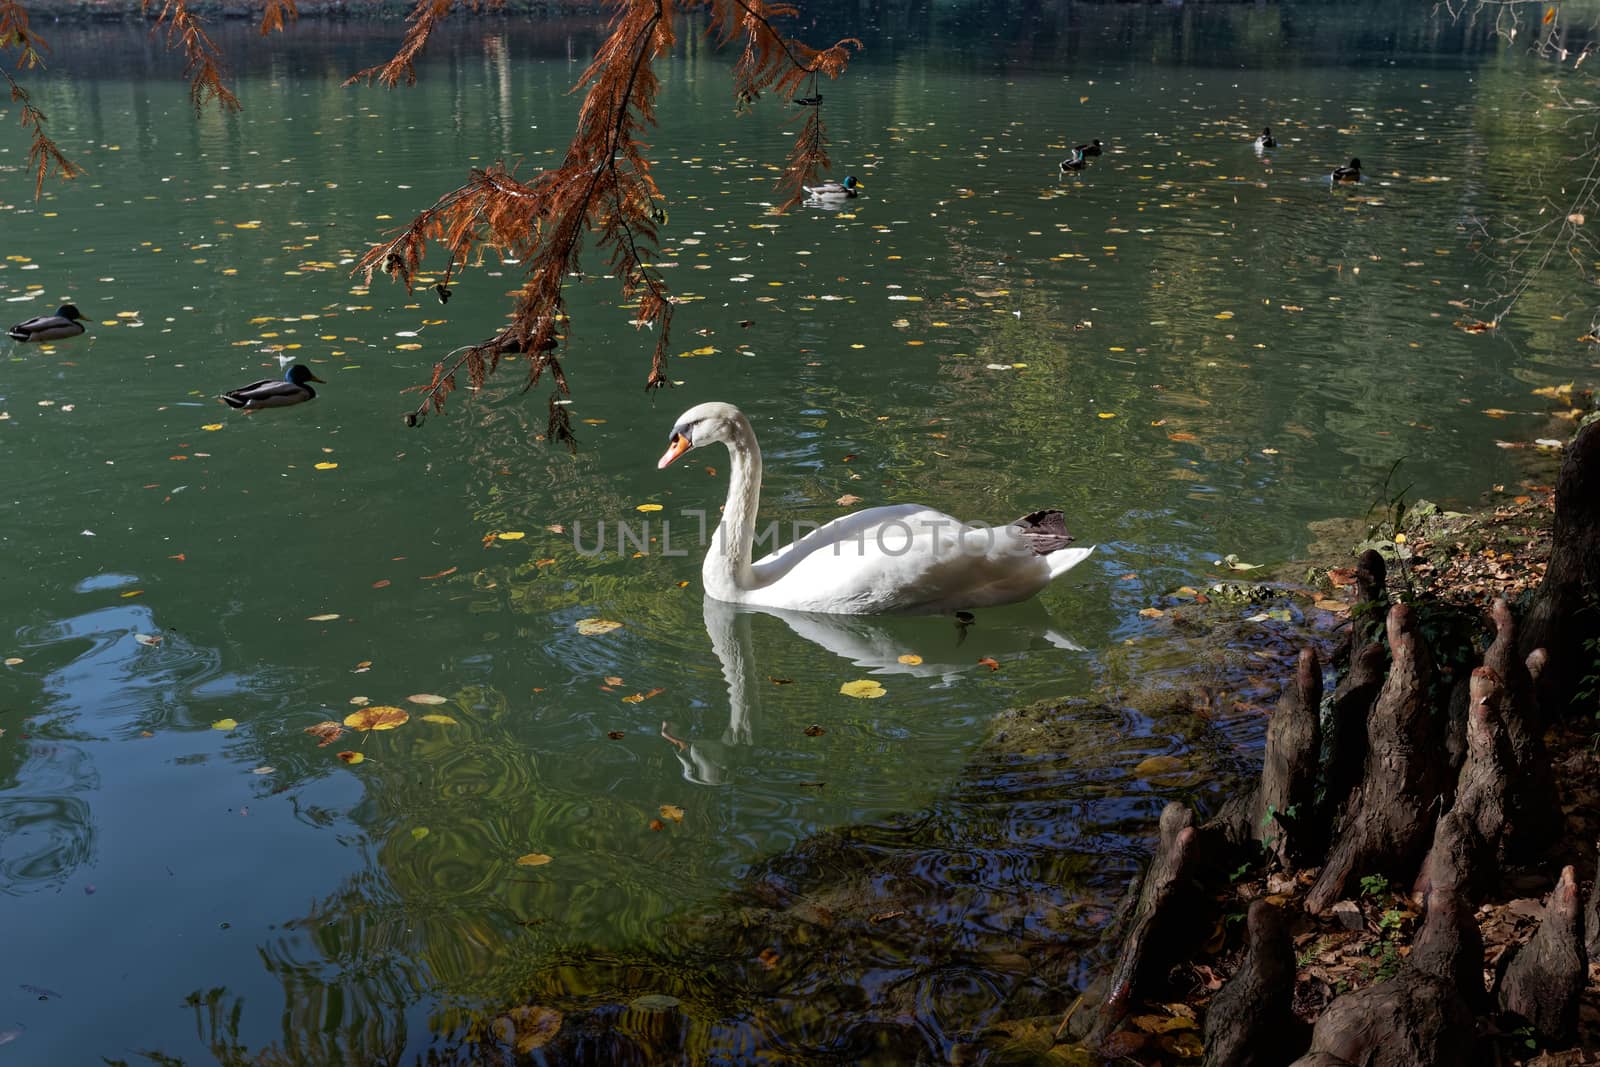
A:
<point x="185" y="30"/>
<point x="274" y="14"/>
<point x="424" y="19"/>
<point x="16" y="33"/>
<point x="44" y="156"/>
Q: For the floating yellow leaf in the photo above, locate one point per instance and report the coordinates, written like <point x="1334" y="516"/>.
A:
<point x="352" y="757"/>
<point x="865" y="689"/>
<point x="910" y="659"/>
<point x="442" y="720"/>
<point x="1223" y="315"/>
<point x="1108" y="414"/>
<point x="672" y="811"/>
<point x="1156" y="766"/>
<point x="511" y="535"/>
<point x="427" y="698"/>
<point x="224" y="724"/>
<point x="418" y="833"/>
<point x="212" y="426"/>
<point x="377" y="717"/>
<point x="328" y="617"/>
<point x="533" y="859"/>
<point x="596" y="627"/>
<point x="12" y="661"/>
<point x="1555" y="392"/>
<point x="648" y="507"/>
<point x="326" y="466"/>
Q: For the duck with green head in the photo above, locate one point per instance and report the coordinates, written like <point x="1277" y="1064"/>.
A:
<point x="66" y="322"/>
<point x="274" y="392"/>
<point x="845" y="190"/>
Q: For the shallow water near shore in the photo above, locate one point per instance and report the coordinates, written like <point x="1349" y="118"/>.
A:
<point x="1191" y="349"/>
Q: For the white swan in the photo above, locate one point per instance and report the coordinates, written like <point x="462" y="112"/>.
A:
<point x="901" y="558"/>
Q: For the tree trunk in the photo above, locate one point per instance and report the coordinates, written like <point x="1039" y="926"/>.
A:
<point x="1565" y="617"/>
<point x="1250" y="1022"/>
<point x="1545" y="979"/>
<point x="1390" y="820"/>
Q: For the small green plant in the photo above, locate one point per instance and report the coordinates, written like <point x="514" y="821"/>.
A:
<point x="1374" y="885"/>
<point x="1390" y="920"/>
<point x="1244" y="869"/>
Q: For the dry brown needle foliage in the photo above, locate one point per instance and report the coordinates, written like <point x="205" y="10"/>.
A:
<point x="44" y="157"/>
<point x="603" y="190"/>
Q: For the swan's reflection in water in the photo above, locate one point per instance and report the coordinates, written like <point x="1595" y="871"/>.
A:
<point x="937" y="646"/>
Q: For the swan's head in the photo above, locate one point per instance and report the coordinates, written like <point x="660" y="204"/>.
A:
<point x="704" y="424"/>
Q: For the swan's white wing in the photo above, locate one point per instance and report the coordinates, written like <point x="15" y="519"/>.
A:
<point x="899" y="558"/>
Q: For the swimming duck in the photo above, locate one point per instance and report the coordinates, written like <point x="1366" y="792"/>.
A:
<point x="844" y="190"/>
<point x="1073" y="162"/>
<point x="274" y="392"/>
<point x="1093" y="148"/>
<point x="1265" y="141"/>
<point x="66" y="322"/>
<point x="1351" y="173"/>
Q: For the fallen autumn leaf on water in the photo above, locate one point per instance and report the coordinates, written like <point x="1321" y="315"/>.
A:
<point x="596" y="627"/>
<point x="329" y="617"/>
<point x="377" y="717"/>
<point x="866" y="689"/>
<point x="910" y="659"/>
<point x="528" y="1028"/>
<point x="224" y="724"/>
<point x="427" y="698"/>
<point x="533" y="859"/>
<point x="442" y="720"/>
<point x="327" y="732"/>
<point x="672" y="811"/>
<point x="351" y="758"/>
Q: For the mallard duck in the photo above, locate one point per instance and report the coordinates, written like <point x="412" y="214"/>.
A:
<point x="66" y="322"/>
<point x="1073" y="162"/>
<point x="1093" y="148"/>
<point x="275" y="392"/>
<point x="1265" y="141"/>
<point x="1351" y="173"/>
<point x="845" y="190"/>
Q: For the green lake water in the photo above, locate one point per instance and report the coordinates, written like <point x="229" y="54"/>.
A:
<point x="1191" y="349"/>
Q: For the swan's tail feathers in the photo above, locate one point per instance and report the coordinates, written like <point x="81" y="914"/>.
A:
<point x="1067" y="558"/>
<point x="1045" y="531"/>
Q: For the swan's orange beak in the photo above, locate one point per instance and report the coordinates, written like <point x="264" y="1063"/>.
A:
<point x="678" y="446"/>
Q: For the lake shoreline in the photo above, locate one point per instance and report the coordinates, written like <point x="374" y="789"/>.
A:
<point x="1474" y="949"/>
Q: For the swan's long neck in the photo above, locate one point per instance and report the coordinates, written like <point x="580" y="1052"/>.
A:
<point x="726" y="570"/>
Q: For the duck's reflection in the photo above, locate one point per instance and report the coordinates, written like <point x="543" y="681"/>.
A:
<point x="921" y="646"/>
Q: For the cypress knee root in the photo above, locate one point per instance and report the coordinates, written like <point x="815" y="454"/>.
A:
<point x="1545" y="979"/>
<point x="1284" y="818"/>
<point x="1250" y="1022"/>
<point x="1167" y="921"/>
<point x="1389" y="821"/>
<point x="1347" y="724"/>
<point x="1469" y="842"/>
